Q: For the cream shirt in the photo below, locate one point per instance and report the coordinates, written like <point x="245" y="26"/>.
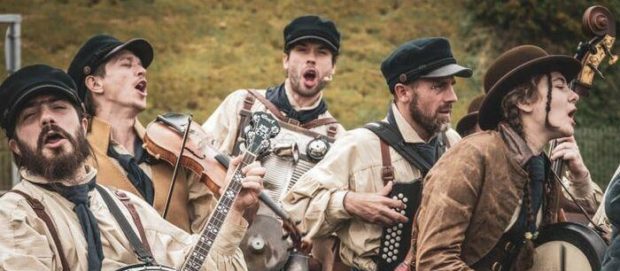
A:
<point x="222" y="124"/>
<point x="26" y="243"/>
<point x="353" y="164"/>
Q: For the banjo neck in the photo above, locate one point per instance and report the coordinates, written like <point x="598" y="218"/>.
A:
<point x="209" y="233"/>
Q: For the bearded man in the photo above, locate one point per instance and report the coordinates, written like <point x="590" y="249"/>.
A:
<point x="59" y="218"/>
<point x="350" y="191"/>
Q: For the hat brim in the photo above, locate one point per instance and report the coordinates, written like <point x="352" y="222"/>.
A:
<point x="313" y="37"/>
<point x="467" y="123"/>
<point x="38" y="90"/>
<point x="449" y="70"/>
<point x="490" y="109"/>
<point x="140" y="47"/>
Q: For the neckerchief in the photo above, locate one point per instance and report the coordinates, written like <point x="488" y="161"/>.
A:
<point x="428" y="151"/>
<point x="136" y="175"/>
<point x="78" y="195"/>
<point x="277" y="96"/>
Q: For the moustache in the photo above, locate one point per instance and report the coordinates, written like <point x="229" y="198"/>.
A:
<point x="52" y="128"/>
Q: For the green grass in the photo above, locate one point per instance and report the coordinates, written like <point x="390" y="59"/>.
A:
<point x="206" y="49"/>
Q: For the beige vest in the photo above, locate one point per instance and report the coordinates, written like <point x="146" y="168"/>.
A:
<point x="110" y="173"/>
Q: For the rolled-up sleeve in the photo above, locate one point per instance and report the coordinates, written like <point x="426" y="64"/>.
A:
<point x="317" y="199"/>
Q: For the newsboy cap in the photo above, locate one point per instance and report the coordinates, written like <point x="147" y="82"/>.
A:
<point x="99" y="49"/>
<point x="516" y="66"/>
<point x="311" y="27"/>
<point x="421" y="58"/>
<point x="29" y="82"/>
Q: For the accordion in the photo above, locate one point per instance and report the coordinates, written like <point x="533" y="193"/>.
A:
<point x="396" y="239"/>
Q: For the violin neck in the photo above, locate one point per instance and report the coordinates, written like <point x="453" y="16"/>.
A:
<point x="200" y="251"/>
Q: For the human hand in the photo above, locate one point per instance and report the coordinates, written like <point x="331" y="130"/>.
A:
<point x="568" y="151"/>
<point x="375" y="208"/>
<point x="252" y="184"/>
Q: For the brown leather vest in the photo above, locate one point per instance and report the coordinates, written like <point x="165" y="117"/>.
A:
<point x="110" y="173"/>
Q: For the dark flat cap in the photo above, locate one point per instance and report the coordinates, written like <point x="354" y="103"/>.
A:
<point x="29" y="82"/>
<point x="312" y="27"/>
<point x="421" y="58"/>
<point x="99" y="49"/>
<point x="513" y="67"/>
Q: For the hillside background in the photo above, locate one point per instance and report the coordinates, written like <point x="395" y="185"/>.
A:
<point x="206" y="49"/>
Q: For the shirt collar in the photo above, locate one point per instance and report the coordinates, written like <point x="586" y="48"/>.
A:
<point x="409" y="134"/>
<point x="91" y="172"/>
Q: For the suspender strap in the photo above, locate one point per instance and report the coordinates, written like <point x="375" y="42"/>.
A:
<point x="276" y="112"/>
<point x="319" y="122"/>
<point x="272" y="108"/>
<point x="385" y="132"/>
<point x="331" y="131"/>
<point x="143" y="254"/>
<point x="387" y="171"/>
<point x="136" y="218"/>
<point x="39" y="209"/>
<point x="244" y="118"/>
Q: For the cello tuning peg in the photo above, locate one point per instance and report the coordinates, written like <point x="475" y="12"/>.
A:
<point x="612" y="58"/>
<point x="596" y="70"/>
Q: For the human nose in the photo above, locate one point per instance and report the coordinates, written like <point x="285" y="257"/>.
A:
<point x="451" y="95"/>
<point x="47" y="117"/>
<point x="141" y="70"/>
<point x="574" y="97"/>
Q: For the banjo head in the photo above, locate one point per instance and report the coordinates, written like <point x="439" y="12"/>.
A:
<point x="568" y="246"/>
<point x="263" y="246"/>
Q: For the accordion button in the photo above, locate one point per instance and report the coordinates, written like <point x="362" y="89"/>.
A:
<point x="395" y="251"/>
<point x="384" y="256"/>
<point x="385" y="249"/>
<point x="393" y="234"/>
<point x="400" y="195"/>
<point x="386" y="243"/>
<point x="391" y="247"/>
<point x="394" y="197"/>
<point x="394" y="258"/>
<point x="399" y="232"/>
<point x="400" y="225"/>
<point x="397" y="244"/>
<point x="389" y="230"/>
<point x="405" y="200"/>
<point x="390" y="254"/>
<point x="398" y="238"/>
<point x="405" y="206"/>
<point x="389" y="260"/>
<point x="402" y="212"/>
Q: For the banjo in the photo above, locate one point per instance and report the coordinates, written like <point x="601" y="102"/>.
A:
<point x="262" y="127"/>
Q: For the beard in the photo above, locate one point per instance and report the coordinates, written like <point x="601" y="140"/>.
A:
<point x="62" y="165"/>
<point x="430" y="122"/>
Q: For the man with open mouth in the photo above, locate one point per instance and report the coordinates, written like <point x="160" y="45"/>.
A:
<point x="59" y="218"/>
<point x="366" y="188"/>
<point x="311" y="48"/>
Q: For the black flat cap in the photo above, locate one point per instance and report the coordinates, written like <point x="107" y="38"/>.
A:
<point x="421" y="58"/>
<point x="312" y="27"/>
<point x="99" y="49"/>
<point x="29" y="82"/>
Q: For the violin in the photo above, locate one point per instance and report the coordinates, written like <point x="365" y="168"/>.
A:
<point x="166" y="135"/>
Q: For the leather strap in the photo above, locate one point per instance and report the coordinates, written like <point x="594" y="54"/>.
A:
<point x="387" y="171"/>
<point x="136" y="218"/>
<point x="332" y="131"/>
<point x="143" y="254"/>
<point x="319" y="122"/>
<point x="244" y="118"/>
<point x="39" y="209"/>
<point x="385" y="132"/>
<point x="276" y="112"/>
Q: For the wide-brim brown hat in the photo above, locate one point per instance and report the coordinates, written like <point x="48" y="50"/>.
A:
<point x="513" y="67"/>
<point x="467" y="123"/>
